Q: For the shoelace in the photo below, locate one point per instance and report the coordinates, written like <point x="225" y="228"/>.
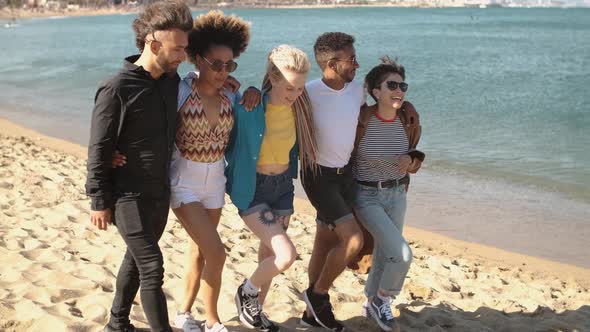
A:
<point x="385" y="310"/>
<point x="251" y="303"/>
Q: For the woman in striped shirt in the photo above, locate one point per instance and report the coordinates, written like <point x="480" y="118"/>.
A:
<point x="384" y="155"/>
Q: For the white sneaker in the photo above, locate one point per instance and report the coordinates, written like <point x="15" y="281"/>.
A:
<point x="186" y="322"/>
<point x="217" y="327"/>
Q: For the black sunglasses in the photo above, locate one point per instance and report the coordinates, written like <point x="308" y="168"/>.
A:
<point x="218" y="65"/>
<point x="393" y="85"/>
<point x="353" y="59"/>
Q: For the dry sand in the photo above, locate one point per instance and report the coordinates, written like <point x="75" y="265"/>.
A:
<point x="57" y="272"/>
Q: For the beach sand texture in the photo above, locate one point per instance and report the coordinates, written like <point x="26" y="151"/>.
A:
<point x="57" y="272"/>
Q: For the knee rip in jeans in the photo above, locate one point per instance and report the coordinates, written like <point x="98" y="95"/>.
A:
<point x="405" y="256"/>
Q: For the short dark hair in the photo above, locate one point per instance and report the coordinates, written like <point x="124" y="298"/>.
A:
<point x="377" y="75"/>
<point x="215" y="28"/>
<point x="328" y="44"/>
<point x="160" y="16"/>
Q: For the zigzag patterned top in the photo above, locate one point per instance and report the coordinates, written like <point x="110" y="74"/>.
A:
<point x="195" y="139"/>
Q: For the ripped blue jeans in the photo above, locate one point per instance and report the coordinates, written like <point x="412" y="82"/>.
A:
<point x="382" y="212"/>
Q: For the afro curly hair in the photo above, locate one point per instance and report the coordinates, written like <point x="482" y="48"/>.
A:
<point x="215" y="28"/>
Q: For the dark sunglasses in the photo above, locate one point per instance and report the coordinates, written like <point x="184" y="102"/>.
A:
<point x="218" y="65"/>
<point x="353" y="59"/>
<point x="393" y="85"/>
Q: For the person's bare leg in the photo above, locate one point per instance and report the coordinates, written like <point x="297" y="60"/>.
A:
<point x="201" y="225"/>
<point x="325" y="240"/>
<point x="265" y="252"/>
<point x="271" y="233"/>
<point x="350" y="242"/>
<point x="192" y="276"/>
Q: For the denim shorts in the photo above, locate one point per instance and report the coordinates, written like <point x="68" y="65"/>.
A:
<point x="332" y="195"/>
<point x="192" y="181"/>
<point x="274" y="192"/>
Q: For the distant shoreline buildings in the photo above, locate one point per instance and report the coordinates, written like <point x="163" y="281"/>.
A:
<point x="74" y="5"/>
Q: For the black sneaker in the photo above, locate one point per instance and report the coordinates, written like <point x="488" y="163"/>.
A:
<point x="322" y="310"/>
<point x="267" y="325"/>
<point x="307" y="321"/>
<point x="128" y="328"/>
<point x="381" y="311"/>
<point x="248" y="308"/>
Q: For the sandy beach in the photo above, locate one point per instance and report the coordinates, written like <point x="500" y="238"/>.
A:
<point x="58" y="272"/>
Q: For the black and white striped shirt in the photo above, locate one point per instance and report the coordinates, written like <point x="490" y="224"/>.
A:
<point x="383" y="141"/>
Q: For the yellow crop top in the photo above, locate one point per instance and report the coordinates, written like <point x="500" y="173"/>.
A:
<point x="279" y="136"/>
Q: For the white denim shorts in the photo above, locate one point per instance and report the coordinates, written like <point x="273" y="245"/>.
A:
<point x="192" y="181"/>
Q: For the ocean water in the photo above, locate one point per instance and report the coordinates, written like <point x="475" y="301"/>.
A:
<point x="503" y="93"/>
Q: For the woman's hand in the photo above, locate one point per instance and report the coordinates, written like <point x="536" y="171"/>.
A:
<point x="403" y="162"/>
<point x="118" y="160"/>
<point x="232" y="84"/>
<point x="251" y="98"/>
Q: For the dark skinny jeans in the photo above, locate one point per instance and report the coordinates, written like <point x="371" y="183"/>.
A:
<point x="141" y="222"/>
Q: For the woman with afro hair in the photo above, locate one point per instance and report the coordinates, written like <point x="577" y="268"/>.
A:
<point x="205" y="120"/>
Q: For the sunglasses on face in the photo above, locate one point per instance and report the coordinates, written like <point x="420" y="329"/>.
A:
<point x="352" y="60"/>
<point x="218" y="65"/>
<point x="393" y="85"/>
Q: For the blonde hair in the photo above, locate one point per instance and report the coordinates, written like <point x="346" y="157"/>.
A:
<point x="288" y="58"/>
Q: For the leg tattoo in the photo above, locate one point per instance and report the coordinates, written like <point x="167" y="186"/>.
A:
<point x="266" y="217"/>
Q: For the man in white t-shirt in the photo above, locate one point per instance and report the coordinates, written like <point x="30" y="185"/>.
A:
<point x="336" y="102"/>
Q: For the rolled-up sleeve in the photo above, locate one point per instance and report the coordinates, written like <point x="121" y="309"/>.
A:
<point x="103" y="137"/>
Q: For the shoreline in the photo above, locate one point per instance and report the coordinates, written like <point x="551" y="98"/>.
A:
<point x="19" y="14"/>
<point x="58" y="271"/>
<point x="440" y="242"/>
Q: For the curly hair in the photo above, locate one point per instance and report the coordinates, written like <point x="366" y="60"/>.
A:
<point x="160" y="16"/>
<point x="328" y="44"/>
<point x="379" y="73"/>
<point x="215" y="28"/>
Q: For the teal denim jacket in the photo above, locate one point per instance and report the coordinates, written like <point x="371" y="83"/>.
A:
<point x="242" y="154"/>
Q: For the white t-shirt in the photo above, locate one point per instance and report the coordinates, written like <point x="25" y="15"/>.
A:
<point x="335" y="116"/>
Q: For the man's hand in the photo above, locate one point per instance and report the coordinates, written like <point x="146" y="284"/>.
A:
<point x="118" y="160"/>
<point x="232" y="84"/>
<point x="101" y="219"/>
<point x="403" y="162"/>
<point x="411" y="117"/>
<point x="251" y="98"/>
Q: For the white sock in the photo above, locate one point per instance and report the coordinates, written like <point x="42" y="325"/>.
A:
<point x="385" y="299"/>
<point x="250" y="289"/>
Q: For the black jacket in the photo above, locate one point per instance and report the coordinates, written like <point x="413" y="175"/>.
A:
<point x="135" y="114"/>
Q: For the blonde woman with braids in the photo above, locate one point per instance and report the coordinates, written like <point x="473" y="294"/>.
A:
<point x="262" y="157"/>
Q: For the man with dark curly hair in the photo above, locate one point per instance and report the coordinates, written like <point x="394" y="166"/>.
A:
<point x="135" y="113"/>
<point x="336" y="101"/>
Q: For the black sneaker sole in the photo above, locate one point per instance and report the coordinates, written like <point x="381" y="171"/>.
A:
<point x="308" y="302"/>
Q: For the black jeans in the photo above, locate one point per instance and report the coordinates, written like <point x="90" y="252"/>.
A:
<point x="141" y="222"/>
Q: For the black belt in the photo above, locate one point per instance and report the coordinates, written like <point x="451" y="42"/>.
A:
<point x="334" y="170"/>
<point x="386" y="184"/>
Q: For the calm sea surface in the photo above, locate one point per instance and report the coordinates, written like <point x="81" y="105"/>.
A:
<point x="503" y="93"/>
